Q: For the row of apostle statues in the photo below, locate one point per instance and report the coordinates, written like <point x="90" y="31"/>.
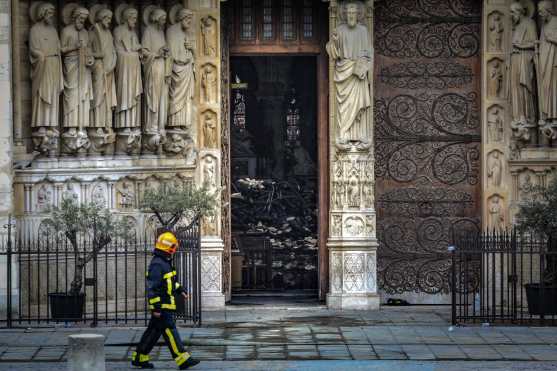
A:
<point x="533" y="71"/>
<point x="110" y="90"/>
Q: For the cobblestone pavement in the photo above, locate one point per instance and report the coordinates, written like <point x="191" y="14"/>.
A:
<point x="283" y="336"/>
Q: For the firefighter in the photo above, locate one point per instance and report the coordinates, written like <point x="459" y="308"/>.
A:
<point x="161" y="289"/>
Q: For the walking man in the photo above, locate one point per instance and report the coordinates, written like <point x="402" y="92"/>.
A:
<point x="161" y="289"/>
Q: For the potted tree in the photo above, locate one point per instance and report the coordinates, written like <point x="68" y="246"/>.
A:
<point x="179" y="206"/>
<point x="89" y="228"/>
<point x="538" y="215"/>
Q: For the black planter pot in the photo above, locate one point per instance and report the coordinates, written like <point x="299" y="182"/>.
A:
<point x="66" y="307"/>
<point x="539" y="304"/>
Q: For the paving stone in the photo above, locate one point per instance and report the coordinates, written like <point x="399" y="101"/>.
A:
<point x="418" y="352"/>
<point x="481" y="352"/>
<point x="49" y="354"/>
<point x="362" y="352"/>
<point x="302" y="352"/>
<point x="444" y="352"/>
<point x="493" y="336"/>
<point x="389" y="351"/>
<point x="379" y="335"/>
<point x="334" y="352"/>
<point x="240" y="352"/>
<point x="116" y="353"/>
<point x="541" y="352"/>
<point x="208" y="353"/>
<point x="546" y="334"/>
<point x="19" y="354"/>
<point x="511" y="352"/>
<point x="406" y="335"/>
<point x="521" y="335"/>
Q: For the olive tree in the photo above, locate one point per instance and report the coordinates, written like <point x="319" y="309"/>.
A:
<point x="85" y="224"/>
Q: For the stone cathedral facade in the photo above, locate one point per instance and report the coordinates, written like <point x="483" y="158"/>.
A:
<point x="431" y="116"/>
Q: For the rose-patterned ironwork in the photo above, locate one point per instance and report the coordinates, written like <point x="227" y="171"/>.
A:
<point x="427" y="138"/>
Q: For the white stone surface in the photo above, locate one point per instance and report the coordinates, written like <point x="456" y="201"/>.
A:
<point x="86" y="352"/>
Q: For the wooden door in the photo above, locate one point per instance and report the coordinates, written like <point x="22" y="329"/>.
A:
<point x="427" y="135"/>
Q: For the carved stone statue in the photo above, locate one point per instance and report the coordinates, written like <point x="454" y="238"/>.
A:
<point x="209" y="168"/>
<point x="157" y="67"/>
<point x="548" y="69"/>
<point x="209" y="84"/>
<point x="495" y="83"/>
<point x="182" y="80"/>
<point x="209" y="36"/>
<point x="521" y="81"/>
<point x="496" y="219"/>
<point x="496" y="31"/>
<point x="351" y="49"/>
<point x="78" y="89"/>
<point x="46" y="77"/>
<point x="338" y="187"/>
<point x="209" y="130"/>
<point x="494" y="169"/>
<point x="104" y="86"/>
<point x="495" y="124"/>
<point x="128" y="81"/>
<point x="126" y="195"/>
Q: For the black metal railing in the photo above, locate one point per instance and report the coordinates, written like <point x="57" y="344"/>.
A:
<point x="504" y="278"/>
<point x="41" y="264"/>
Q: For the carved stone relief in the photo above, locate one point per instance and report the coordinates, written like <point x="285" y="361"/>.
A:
<point x="336" y="225"/>
<point x="211" y="273"/>
<point x="70" y="191"/>
<point x="208" y="84"/>
<point x="209" y="165"/>
<point x="496" y="213"/>
<point x="496" y="78"/>
<point x="354" y="226"/>
<point x="99" y="194"/>
<point x="209" y="36"/>
<point x="354" y="272"/>
<point x="495" y="168"/>
<point x="495" y="128"/>
<point x="45" y="197"/>
<point x="209" y="121"/>
<point x="125" y="195"/>
<point x="526" y="185"/>
<point x="496" y="31"/>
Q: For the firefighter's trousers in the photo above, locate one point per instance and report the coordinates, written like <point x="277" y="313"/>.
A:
<point x="166" y="327"/>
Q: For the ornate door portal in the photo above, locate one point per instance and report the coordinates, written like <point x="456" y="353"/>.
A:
<point x="427" y="135"/>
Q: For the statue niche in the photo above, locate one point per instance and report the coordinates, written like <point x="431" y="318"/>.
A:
<point x="351" y="50"/>
<point x="129" y="86"/>
<point x="46" y="78"/>
<point x="181" y="113"/>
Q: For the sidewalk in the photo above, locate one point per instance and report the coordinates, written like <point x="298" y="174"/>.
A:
<point x="275" y="337"/>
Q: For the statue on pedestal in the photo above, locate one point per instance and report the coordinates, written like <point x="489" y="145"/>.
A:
<point x="78" y="89"/>
<point x="182" y="79"/>
<point x="128" y="81"/>
<point x="522" y="73"/>
<point x="350" y="48"/>
<point x="157" y="69"/>
<point x="104" y="86"/>
<point x="47" y="81"/>
<point x="547" y="80"/>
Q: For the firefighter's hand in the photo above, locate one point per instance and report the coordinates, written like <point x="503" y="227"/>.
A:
<point x="185" y="295"/>
<point x="157" y="314"/>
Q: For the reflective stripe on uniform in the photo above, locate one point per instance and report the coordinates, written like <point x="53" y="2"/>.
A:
<point x="172" y="341"/>
<point x="142" y="357"/>
<point x="182" y="358"/>
<point x="154" y="300"/>
<point x="169" y="274"/>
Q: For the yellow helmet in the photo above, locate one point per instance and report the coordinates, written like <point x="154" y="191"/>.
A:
<point x="167" y="242"/>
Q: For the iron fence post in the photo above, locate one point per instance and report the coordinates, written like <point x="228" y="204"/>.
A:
<point x="452" y="251"/>
<point x="9" y="272"/>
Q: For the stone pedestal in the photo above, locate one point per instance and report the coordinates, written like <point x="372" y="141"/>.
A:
<point x="212" y="297"/>
<point x="86" y="352"/>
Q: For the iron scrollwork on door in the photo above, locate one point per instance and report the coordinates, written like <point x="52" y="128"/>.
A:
<point x="427" y="138"/>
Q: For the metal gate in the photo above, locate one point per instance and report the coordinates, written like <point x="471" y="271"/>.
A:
<point x="39" y="264"/>
<point x="427" y="135"/>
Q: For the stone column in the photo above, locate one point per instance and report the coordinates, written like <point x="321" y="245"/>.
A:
<point x="6" y="144"/>
<point x="352" y="239"/>
<point x="208" y="101"/>
<point x="497" y="135"/>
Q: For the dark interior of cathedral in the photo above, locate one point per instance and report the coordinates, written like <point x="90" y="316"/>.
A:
<point x="274" y="174"/>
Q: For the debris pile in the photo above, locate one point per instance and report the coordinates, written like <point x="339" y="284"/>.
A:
<point x="285" y="213"/>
